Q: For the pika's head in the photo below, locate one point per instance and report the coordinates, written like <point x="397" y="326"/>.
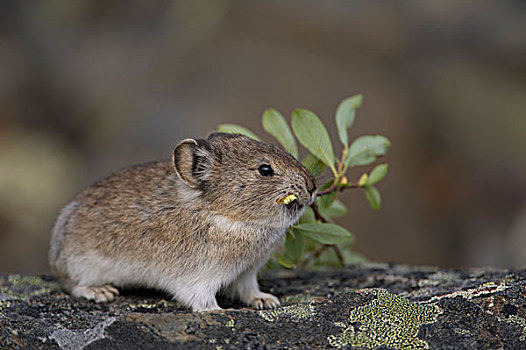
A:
<point x="245" y="180"/>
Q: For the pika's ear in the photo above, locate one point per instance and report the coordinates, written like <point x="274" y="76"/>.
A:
<point x="191" y="160"/>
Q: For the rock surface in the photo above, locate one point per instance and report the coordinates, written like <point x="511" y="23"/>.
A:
<point x="365" y="307"/>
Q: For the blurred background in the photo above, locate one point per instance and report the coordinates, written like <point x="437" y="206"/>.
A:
<point x="87" y="87"/>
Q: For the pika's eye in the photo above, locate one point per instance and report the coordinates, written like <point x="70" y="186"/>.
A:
<point x="265" y="170"/>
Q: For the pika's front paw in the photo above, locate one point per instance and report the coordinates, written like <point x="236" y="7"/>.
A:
<point x="262" y="300"/>
<point x="98" y="294"/>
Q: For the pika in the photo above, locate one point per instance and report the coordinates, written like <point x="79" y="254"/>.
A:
<point x="201" y="224"/>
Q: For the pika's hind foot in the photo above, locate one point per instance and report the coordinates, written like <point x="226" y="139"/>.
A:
<point x="99" y="294"/>
<point x="261" y="300"/>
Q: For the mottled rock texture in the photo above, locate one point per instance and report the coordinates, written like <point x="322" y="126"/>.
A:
<point x="366" y="307"/>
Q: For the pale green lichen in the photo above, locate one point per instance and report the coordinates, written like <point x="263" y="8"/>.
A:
<point x="24" y="287"/>
<point x="461" y="331"/>
<point x="518" y="321"/>
<point x="230" y="323"/>
<point x="297" y="299"/>
<point x="296" y="312"/>
<point x="167" y="303"/>
<point x="4" y="304"/>
<point x="489" y="284"/>
<point x="389" y="321"/>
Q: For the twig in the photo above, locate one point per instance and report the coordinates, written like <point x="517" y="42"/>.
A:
<point x="318" y="252"/>
<point x="337" y="250"/>
<point x="335" y="188"/>
<point x="339" y="254"/>
<point x="314" y="255"/>
<point x="317" y="213"/>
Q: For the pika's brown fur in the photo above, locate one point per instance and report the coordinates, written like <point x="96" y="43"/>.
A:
<point x="204" y="222"/>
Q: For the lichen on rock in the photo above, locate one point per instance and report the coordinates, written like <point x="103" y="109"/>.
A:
<point x="389" y="320"/>
<point x="518" y="321"/>
<point x="417" y="307"/>
<point x="14" y="287"/>
<point x="296" y="312"/>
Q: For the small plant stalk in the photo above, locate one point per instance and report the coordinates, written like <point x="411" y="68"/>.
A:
<point x="334" y="247"/>
<point x="335" y="188"/>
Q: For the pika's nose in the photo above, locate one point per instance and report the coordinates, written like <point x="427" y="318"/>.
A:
<point x="311" y="187"/>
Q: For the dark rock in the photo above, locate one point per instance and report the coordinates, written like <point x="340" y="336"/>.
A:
<point x="359" y="307"/>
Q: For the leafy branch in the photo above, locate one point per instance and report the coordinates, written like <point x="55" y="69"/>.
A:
<point x="315" y="232"/>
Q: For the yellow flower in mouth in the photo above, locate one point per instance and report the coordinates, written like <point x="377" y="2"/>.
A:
<point x="287" y="199"/>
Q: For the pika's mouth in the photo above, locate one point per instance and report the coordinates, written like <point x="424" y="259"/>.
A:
<point x="294" y="205"/>
<point x="290" y="201"/>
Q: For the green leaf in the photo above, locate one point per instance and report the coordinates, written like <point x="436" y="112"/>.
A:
<point x="373" y="196"/>
<point x="345" y="114"/>
<point x="294" y="245"/>
<point x="377" y="174"/>
<point x="308" y="216"/>
<point x="327" y="184"/>
<point x="284" y="261"/>
<point x="237" y="129"/>
<point x="326" y="200"/>
<point x="324" y="233"/>
<point x="312" y="134"/>
<point x="274" y="123"/>
<point x="365" y="149"/>
<point x="335" y="210"/>
<point x="313" y="164"/>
